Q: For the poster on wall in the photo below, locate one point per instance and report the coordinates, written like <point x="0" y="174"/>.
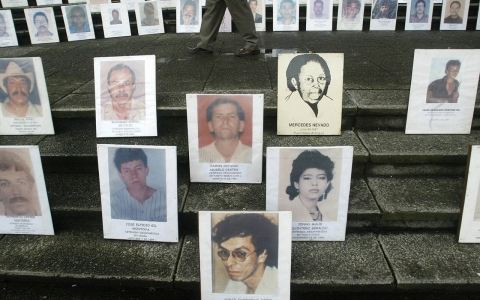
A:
<point x="350" y="14"/>
<point x="319" y="15"/>
<point x="443" y="91"/>
<point x="225" y="134"/>
<point x="14" y="3"/>
<point x="115" y="20"/>
<point x="189" y="16"/>
<point x="149" y="17"/>
<point x="314" y="184"/>
<point x="285" y="15"/>
<point x="310" y="90"/>
<point x="125" y="97"/>
<point x="24" y="207"/>
<point x="41" y="25"/>
<point x="139" y="200"/>
<point x="95" y="5"/>
<point x="24" y="106"/>
<point x="8" y="35"/>
<point x="454" y="14"/>
<point x="384" y="15"/>
<point x="420" y="15"/>
<point x="469" y="223"/>
<point x="78" y="21"/>
<point x="258" y="11"/>
<point x="245" y="255"/>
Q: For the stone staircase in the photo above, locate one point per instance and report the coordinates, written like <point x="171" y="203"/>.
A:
<point x="405" y="194"/>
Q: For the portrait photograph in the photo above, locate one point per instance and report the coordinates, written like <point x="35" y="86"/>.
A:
<point x="258" y="12"/>
<point x="310" y="91"/>
<point x="79" y="24"/>
<point x="314" y="184"/>
<point x="95" y="5"/>
<point x="350" y="14"/>
<point x="8" y="35"/>
<point x="245" y="254"/>
<point x="419" y="15"/>
<point x="384" y="15"/>
<point x="319" y="15"/>
<point x="24" y="103"/>
<point x="41" y="25"/>
<point x="24" y="207"/>
<point x="285" y="15"/>
<point x="14" y="3"/>
<point x="115" y="20"/>
<point x="149" y="17"/>
<point x="139" y="202"/>
<point x="189" y="16"/>
<point x="469" y="223"/>
<point x="454" y="14"/>
<point x="225" y="135"/>
<point x="125" y="97"/>
<point x="443" y="91"/>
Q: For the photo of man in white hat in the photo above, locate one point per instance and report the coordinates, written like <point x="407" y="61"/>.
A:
<point x="18" y="86"/>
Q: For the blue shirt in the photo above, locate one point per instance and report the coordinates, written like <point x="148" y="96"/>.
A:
<point x="86" y="28"/>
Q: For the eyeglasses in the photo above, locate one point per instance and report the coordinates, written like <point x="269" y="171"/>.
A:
<point x="239" y="255"/>
<point x="311" y="80"/>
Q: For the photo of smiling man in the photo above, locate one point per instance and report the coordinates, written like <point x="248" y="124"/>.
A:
<point x="41" y="25"/>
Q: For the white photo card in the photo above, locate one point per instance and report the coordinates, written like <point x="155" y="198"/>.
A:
<point x="258" y="11"/>
<point x="350" y="14"/>
<point x="125" y="97"/>
<point x="24" y="207"/>
<point x="454" y="14"/>
<point x="384" y="15"/>
<point x="41" y="25"/>
<point x="310" y="90"/>
<point x="131" y="3"/>
<point x="115" y="20"/>
<point x="8" y="35"/>
<point x="139" y="200"/>
<point x="319" y="15"/>
<point x="149" y="17"/>
<point x="419" y="15"/>
<point x="443" y="91"/>
<point x="236" y="247"/>
<point x="314" y="184"/>
<point x="189" y="16"/>
<point x="78" y="21"/>
<point x="225" y="134"/>
<point x="24" y="103"/>
<point x="95" y="5"/>
<point x="285" y="15"/>
<point x="48" y="2"/>
<point x="469" y="223"/>
<point x="14" y="3"/>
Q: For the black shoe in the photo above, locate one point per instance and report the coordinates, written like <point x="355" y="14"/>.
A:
<point x="246" y="52"/>
<point x="198" y="50"/>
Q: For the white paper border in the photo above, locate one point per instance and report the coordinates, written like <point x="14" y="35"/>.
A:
<point x="336" y="228"/>
<point x="154" y="29"/>
<point x="167" y="231"/>
<point x="276" y="15"/>
<point x="115" y="30"/>
<point x="357" y="24"/>
<point x="284" y="255"/>
<point x="412" y="8"/>
<point x="450" y="26"/>
<point x="44" y="222"/>
<point x="198" y="18"/>
<point x="11" y="39"/>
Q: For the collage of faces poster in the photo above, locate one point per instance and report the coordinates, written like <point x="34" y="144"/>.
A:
<point x="139" y="200"/>
<point x="419" y="14"/>
<point x="189" y="16"/>
<point x="24" y="103"/>
<point x="125" y="97"/>
<point x="454" y="14"/>
<point x="245" y="255"/>
<point x="225" y="134"/>
<point x="319" y="15"/>
<point x="469" y="223"/>
<point x="149" y="17"/>
<point x="310" y="90"/>
<point x="285" y="15"/>
<point x="8" y="35"/>
<point x="24" y="207"/>
<point x="41" y="25"/>
<point x="384" y="15"/>
<point x="115" y="20"/>
<point x="79" y="22"/>
<point x="350" y="14"/>
<point x="314" y="184"/>
<point x="258" y="11"/>
<point x="443" y="91"/>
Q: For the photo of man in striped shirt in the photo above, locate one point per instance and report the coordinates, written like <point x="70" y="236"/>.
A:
<point x="137" y="201"/>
